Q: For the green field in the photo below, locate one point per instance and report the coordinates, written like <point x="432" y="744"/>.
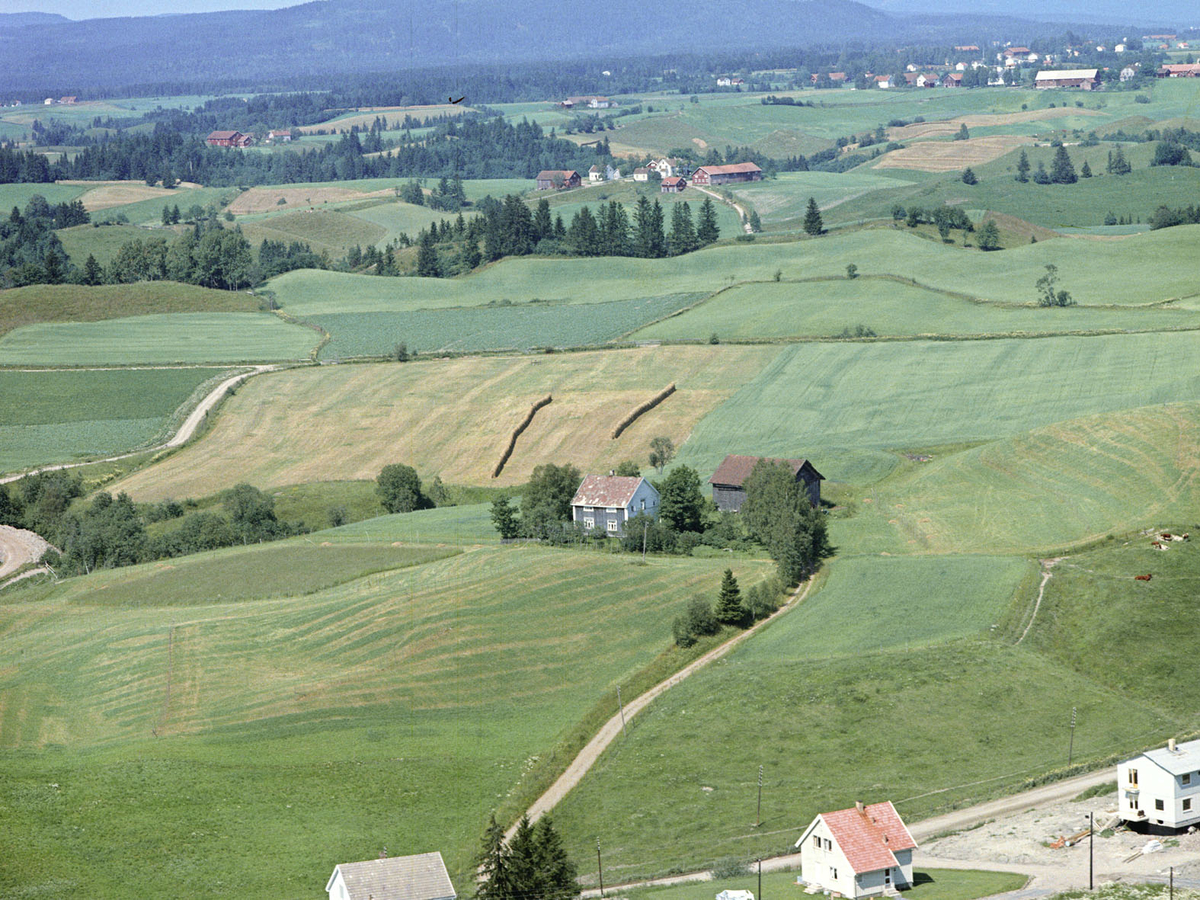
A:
<point x="103" y="243"/>
<point x="928" y="884"/>
<point x="155" y="339"/>
<point x="325" y="230"/>
<point x="167" y="749"/>
<point x="58" y="416"/>
<point x="824" y="308"/>
<point x="18" y="194"/>
<point x="79" y="303"/>
<point x="841" y="404"/>
<point x="398" y="218"/>
<point x="785" y="197"/>
<point x="520" y="327"/>
<point x="149" y="212"/>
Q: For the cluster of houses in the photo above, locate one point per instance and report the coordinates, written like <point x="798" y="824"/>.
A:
<point x="604" y="503"/>
<point x="237" y="139"/>
<point x="673" y="173"/>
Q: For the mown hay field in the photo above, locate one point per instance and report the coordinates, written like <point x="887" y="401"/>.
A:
<point x="398" y="709"/>
<point x="824" y="308"/>
<point x="324" y="230"/>
<point x="1140" y="269"/>
<point x="785" y="197"/>
<point x="396" y="218"/>
<point x="526" y="326"/>
<point x="451" y="418"/>
<point x="155" y="339"/>
<point x="149" y="211"/>
<point x="79" y="303"/>
<point x="841" y="404"/>
<point x="266" y="198"/>
<point x="56" y="416"/>
<point x="392" y="116"/>
<point x="950" y="156"/>
<point x="19" y="194"/>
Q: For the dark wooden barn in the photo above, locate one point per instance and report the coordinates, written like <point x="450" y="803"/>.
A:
<point x="731" y="474"/>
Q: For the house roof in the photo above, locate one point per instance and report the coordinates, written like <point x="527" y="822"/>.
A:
<point x="735" y="469"/>
<point x="420" y="877"/>
<point x="676" y="180"/>
<point x="1181" y="68"/>
<point x="1065" y="74"/>
<point x="594" y="169"/>
<point x="868" y="837"/>
<point x="549" y="174"/>
<point x="608" y="490"/>
<point x="641" y="170"/>
<point x="731" y="169"/>
<point x="223" y="135"/>
<point x="1185" y="758"/>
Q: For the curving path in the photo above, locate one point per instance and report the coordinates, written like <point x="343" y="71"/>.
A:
<point x="19" y="547"/>
<point x="181" y="436"/>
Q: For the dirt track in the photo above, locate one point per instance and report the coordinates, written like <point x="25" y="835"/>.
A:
<point x="18" y="547"/>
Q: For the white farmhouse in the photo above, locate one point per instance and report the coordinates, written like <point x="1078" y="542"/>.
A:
<point x="420" y="877"/>
<point x="607" y="502"/>
<point x="864" y="851"/>
<point x="1160" y="790"/>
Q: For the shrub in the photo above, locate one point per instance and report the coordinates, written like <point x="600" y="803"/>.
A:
<point x="697" y="621"/>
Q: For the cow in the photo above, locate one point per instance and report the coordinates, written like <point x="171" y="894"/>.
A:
<point x="1142" y="577"/>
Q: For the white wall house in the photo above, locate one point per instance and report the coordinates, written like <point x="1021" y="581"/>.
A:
<point x="607" y="502"/>
<point x="863" y="851"/>
<point x="1159" y="791"/>
<point x="420" y="877"/>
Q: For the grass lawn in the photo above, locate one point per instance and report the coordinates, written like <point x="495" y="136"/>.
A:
<point x="929" y="884"/>
<point x="170" y="338"/>
<point x="79" y="303"/>
<point x="870" y="397"/>
<point x="58" y="416"/>
<point x="826" y="307"/>
<point x="451" y="418"/>
<point x="169" y="748"/>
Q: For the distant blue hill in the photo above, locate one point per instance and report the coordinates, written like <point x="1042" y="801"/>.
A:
<point x="1172" y="13"/>
<point x="20" y="20"/>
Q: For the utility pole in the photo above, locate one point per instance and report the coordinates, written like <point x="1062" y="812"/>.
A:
<point x="1071" y="746"/>
<point x="1091" y="847"/>
<point x="758" y="817"/>
<point x="599" y="868"/>
<point x="624" y="733"/>
<point x="1172" y="883"/>
<point x="645" y="528"/>
<point x="760" y="878"/>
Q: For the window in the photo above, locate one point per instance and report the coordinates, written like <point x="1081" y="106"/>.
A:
<point x="833" y="873"/>
<point x="613" y="524"/>
<point x="1133" y="777"/>
<point x="1186" y="778"/>
<point x="1187" y="804"/>
<point x="1158" y="804"/>
<point x="589" y="522"/>
<point x="613" y="510"/>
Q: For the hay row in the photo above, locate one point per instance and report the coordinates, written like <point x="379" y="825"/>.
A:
<point x="645" y="407"/>
<point x="512" y="441"/>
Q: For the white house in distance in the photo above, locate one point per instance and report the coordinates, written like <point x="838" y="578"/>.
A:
<point x="1160" y="790"/>
<point x="607" y="502"/>
<point x="863" y="851"/>
<point x="420" y="877"/>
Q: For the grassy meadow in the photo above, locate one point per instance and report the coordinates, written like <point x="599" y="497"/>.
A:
<point x="157" y="339"/>
<point x="59" y="416"/>
<point x="168" y="744"/>
<point x="928" y="884"/>
<point x="451" y="418"/>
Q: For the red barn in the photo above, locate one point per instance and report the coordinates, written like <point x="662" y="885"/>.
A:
<point x="746" y="171"/>
<point x="229" y="139"/>
<point x="558" y="178"/>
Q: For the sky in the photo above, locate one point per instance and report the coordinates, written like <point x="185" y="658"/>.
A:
<point x="96" y="9"/>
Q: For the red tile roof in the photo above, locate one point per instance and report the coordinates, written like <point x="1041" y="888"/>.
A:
<point x="735" y="469"/>
<point x="870" y="837"/>
<point x="606" y="490"/>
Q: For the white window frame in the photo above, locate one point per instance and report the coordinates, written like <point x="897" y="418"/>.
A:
<point x="613" y="525"/>
<point x="589" y="522"/>
<point x="1186" y="778"/>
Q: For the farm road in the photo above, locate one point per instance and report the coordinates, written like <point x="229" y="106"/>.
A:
<point x="18" y="547"/>
<point x="613" y="727"/>
<point x="741" y="211"/>
<point x="181" y="436"/>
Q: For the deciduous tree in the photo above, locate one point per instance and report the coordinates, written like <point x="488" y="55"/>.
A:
<point x="399" y="488"/>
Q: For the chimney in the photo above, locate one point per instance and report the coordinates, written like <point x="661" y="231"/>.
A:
<point x="1171" y="744"/>
<point x="858" y="805"/>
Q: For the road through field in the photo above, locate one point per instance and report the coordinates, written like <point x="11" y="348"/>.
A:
<point x="613" y="727"/>
<point x="181" y="436"/>
<point x="18" y="547"/>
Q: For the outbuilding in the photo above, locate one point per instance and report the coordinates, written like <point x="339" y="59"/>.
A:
<point x="1084" y="79"/>
<point x="729" y="492"/>
<point x="419" y="877"/>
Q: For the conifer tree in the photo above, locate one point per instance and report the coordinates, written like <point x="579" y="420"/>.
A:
<point x="729" y="603"/>
<point x="813" y="223"/>
<point x="1061" y="170"/>
<point x="707" y="230"/>
<point x="1023" y="168"/>
<point x="1085" y="171"/>
<point x="683" y="233"/>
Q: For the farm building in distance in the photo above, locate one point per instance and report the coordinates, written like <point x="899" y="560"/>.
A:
<point x="420" y="877"/>
<point x="561" y="179"/>
<point x="1180" y="70"/>
<point x="1160" y="790"/>
<point x="731" y="475"/>
<point x="229" y="139"/>
<point x="1084" y="79"/>
<point x="673" y="185"/>
<point x="860" y="852"/>
<point x="746" y="171"/>
<point x="607" y="502"/>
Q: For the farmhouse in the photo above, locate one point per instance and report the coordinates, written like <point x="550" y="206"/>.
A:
<point x="283" y="136"/>
<point x="607" y="502"/>
<point x="590" y="102"/>
<point x="1085" y="79"/>
<point x="746" y="171"/>
<point x="595" y="175"/>
<point x="229" y="139"/>
<point x="727" y="481"/>
<point x="674" y="185"/>
<point x="952" y="79"/>
<point x="1180" y="70"/>
<point x="666" y="167"/>
<point x="68" y="101"/>
<point x="1128" y="73"/>
<point x="1160" y="790"/>
<point x="859" y="852"/>
<point x="558" y="178"/>
<point x="420" y="877"/>
<point x="641" y="173"/>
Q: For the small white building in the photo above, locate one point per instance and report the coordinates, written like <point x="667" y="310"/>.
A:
<point x="1159" y="791"/>
<point x="420" y="877"/>
<point x="641" y="173"/>
<point x="863" y="851"/>
<point x="606" y="502"/>
<point x="735" y="895"/>
<point x="595" y="175"/>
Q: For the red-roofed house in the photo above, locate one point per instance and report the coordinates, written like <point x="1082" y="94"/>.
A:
<point x="674" y="185"/>
<point x="746" y="171"/>
<point x="731" y="474"/>
<point x="229" y="139"/>
<point x="863" y="851"/>
<point x="607" y="502"/>
<point x="558" y="178"/>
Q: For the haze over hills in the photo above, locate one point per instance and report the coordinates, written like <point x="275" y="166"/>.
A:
<point x="348" y="36"/>
<point x="22" y="19"/>
<point x="1175" y="13"/>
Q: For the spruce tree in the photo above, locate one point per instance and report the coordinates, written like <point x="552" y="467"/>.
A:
<point x="1061" y="170"/>
<point x="1023" y="168"/>
<point x="729" y="603"/>
<point x="427" y="257"/>
<point x="969" y="177"/>
<point x="706" y="228"/>
<point x="92" y="273"/>
<point x="812" y="218"/>
<point x="492" y="864"/>
<point x="557" y="872"/>
<point x="543" y="225"/>
<point x="683" y="233"/>
<point x="1085" y="171"/>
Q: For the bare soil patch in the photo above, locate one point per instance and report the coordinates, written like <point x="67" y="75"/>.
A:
<point x="983" y="120"/>
<point x="947" y="156"/>
<point x="107" y="194"/>
<point x="267" y="199"/>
